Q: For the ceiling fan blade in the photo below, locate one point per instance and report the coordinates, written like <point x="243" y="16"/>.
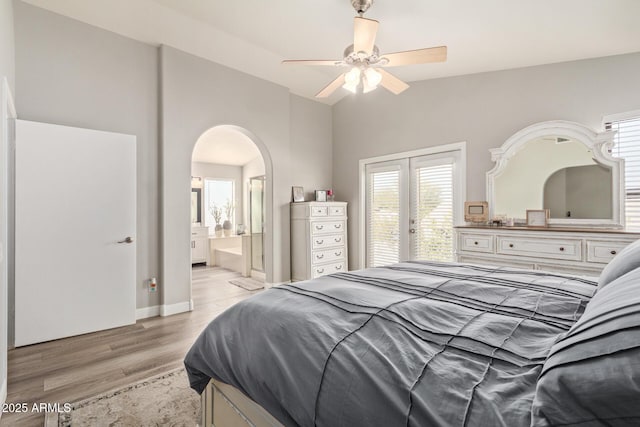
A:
<point x="311" y="62"/>
<point x="364" y="34"/>
<point x="391" y="82"/>
<point x="331" y="87"/>
<point x="419" y="56"/>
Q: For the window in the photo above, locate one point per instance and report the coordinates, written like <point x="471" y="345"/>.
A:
<point x="627" y="146"/>
<point x="218" y="199"/>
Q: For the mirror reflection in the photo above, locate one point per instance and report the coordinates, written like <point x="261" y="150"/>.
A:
<point x="555" y="173"/>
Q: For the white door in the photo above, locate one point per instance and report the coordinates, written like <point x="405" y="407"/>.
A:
<point x="411" y="208"/>
<point x="75" y="257"/>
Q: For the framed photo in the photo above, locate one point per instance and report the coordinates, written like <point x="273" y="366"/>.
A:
<point x="537" y="217"/>
<point x="476" y="211"/>
<point x="298" y="194"/>
<point x="321" y="195"/>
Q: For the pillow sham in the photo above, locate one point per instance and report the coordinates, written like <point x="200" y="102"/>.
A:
<point x="592" y="374"/>
<point x="628" y="259"/>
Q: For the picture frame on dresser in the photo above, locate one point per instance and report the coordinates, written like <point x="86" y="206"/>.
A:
<point x="321" y="195"/>
<point x="476" y="211"/>
<point x="537" y="218"/>
<point x="297" y="193"/>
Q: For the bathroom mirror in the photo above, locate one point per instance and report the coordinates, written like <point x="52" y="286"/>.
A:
<point x="561" y="166"/>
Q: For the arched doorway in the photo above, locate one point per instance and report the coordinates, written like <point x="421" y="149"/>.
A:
<point x="229" y="166"/>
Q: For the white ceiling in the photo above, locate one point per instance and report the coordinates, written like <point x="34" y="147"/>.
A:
<point x="254" y="36"/>
<point x="224" y="146"/>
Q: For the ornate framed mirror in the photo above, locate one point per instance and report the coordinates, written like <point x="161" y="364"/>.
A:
<point x="561" y="166"/>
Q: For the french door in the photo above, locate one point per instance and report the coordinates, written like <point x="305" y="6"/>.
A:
<point x="412" y="204"/>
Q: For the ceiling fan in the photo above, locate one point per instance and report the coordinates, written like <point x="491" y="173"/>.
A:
<point x="365" y="62"/>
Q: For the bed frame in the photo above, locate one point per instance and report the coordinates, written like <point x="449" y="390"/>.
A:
<point x="226" y="406"/>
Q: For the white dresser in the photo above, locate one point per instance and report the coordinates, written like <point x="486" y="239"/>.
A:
<point x="318" y="239"/>
<point x="564" y="250"/>
<point x="199" y="245"/>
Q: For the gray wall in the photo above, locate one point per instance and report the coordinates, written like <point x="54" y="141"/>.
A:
<point x="73" y="74"/>
<point x="310" y="142"/>
<point x="197" y="95"/>
<point x="7" y="63"/>
<point x="7" y="71"/>
<point x="482" y="109"/>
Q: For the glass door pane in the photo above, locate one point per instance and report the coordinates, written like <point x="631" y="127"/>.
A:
<point x="386" y="217"/>
<point x="431" y="218"/>
<point x="256" y="219"/>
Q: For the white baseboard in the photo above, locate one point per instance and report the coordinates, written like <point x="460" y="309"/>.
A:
<point x="181" y="307"/>
<point x="260" y="275"/>
<point x="163" y="310"/>
<point x="146" y="312"/>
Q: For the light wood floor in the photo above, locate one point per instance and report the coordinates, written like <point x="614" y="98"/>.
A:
<point x="75" y="368"/>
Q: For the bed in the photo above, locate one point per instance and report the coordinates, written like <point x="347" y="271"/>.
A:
<point x="427" y="343"/>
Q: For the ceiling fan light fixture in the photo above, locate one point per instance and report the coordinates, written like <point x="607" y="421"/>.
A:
<point x="353" y="76"/>
<point x="373" y="77"/>
<point x="352" y="79"/>
<point x="351" y="87"/>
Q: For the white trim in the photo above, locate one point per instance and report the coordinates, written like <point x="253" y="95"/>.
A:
<point x="455" y="146"/>
<point x="180" y="307"/>
<point x="259" y="275"/>
<point x="146" y="312"/>
<point x="8" y="112"/>
<point x="3" y="394"/>
<point x="618" y="117"/>
<point x="460" y="147"/>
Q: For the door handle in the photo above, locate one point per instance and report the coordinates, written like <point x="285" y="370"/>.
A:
<point x="128" y="239"/>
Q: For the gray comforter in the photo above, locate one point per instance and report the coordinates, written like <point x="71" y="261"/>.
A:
<point x="412" y="344"/>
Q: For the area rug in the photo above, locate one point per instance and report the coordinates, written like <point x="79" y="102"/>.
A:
<point x="165" y="400"/>
<point x="247" y="283"/>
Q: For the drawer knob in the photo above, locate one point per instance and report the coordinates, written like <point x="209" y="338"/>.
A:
<point x="320" y="270"/>
<point x="613" y="252"/>
<point x="561" y="249"/>
<point x="320" y="256"/>
<point x="475" y="243"/>
<point x="338" y="253"/>
<point x="338" y="267"/>
<point x="319" y="227"/>
<point x="337" y="225"/>
<point x="319" y="242"/>
<point x="510" y="245"/>
<point x="338" y="239"/>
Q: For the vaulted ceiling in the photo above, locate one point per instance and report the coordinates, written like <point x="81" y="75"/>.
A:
<point x="254" y="36"/>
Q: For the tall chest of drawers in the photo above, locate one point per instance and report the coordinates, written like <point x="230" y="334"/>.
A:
<point x="318" y="239"/>
<point x="582" y="252"/>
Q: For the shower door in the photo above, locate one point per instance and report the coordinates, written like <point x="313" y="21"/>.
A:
<point x="256" y="214"/>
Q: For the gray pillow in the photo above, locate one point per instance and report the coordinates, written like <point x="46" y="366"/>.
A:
<point x="628" y="259"/>
<point x="592" y="374"/>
